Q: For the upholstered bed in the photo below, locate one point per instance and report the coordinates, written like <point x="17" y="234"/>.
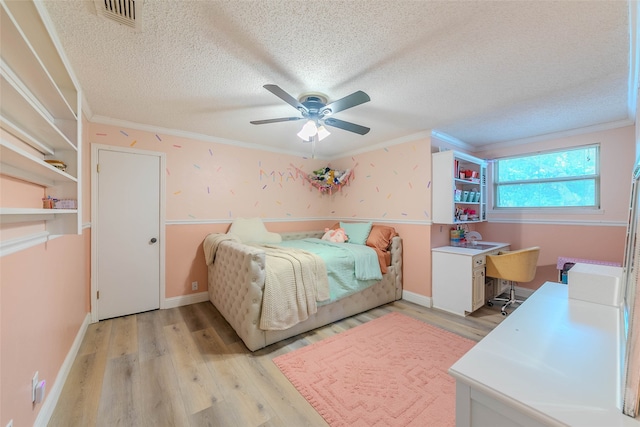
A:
<point x="236" y="279"/>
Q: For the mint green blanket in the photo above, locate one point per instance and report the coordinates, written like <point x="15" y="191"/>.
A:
<point x="350" y="267"/>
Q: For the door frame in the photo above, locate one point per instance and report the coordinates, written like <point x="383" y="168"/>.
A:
<point x="94" y="220"/>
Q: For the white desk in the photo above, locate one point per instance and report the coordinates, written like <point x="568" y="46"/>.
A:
<point x="457" y="276"/>
<point x="554" y="361"/>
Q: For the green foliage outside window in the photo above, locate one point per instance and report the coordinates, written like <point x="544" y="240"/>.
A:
<point x="568" y="178"/>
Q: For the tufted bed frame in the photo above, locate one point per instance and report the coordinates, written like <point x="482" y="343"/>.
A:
<point x="236" y="280"/>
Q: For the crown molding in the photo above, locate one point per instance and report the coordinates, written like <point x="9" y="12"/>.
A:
<point x="452" y="141"/>
<point x="191" y="135"/>
<point x="557" y="135"/>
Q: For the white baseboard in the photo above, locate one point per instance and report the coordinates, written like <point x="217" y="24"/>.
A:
<point x="417" y="299"/>
<point x="51" y="400"/>
<point x="185" y="300"/>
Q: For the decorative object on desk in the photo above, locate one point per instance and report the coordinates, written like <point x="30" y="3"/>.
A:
<point x="473" y="237"/>
<point x="58" y="164"/>
<point x="457" y="236"/>
<point x="389" y="371"/>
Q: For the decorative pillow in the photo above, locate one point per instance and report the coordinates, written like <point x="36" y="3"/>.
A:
<point x="335" y="235"/>
<point x="253" y="230"/>
<point x="357" y="231"/>
<point x="380" y="237"/>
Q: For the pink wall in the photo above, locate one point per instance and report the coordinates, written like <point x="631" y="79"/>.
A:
<point x="617" y="156"/>
<point x="392" y="186"/>
<point x="599" y="235"/>
<point x="41" y="310"/>
<point x="209" y="184"/>
<point x="575" y="241"/>
<point x="44" y="301"/>
<point x="213" y="181"/>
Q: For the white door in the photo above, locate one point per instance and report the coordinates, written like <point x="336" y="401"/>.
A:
<point x="127" y="221"/>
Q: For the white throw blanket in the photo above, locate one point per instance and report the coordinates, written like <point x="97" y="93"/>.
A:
<point x="295" y="280"/>
<point x="211" y="242"/>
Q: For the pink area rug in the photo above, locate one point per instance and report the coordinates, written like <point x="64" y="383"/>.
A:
<point x="391" y="371"/>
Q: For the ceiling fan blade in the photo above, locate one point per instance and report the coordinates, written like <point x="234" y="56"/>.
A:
<point x="284" y="119"/>
<point x="356" y="98"/>
<point x="277" y="91"/>
<point x="351" y="127"/>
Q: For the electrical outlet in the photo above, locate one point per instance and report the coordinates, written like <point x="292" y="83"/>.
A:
<point x="194" y="286"/>
<point x="34" y="385"/>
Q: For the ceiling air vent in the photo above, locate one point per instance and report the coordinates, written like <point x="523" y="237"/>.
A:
<point x="125" y="12"/>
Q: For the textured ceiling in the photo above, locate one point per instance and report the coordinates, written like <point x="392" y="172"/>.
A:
<point x="482" y="72"/>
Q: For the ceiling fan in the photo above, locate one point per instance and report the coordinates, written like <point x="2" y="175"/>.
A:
<point x="314" y="108"/>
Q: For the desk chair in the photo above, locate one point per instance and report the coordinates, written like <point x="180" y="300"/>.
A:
<point x="514" y="266"/>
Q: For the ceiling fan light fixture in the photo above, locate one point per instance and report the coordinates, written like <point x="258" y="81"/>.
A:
<point x="322" y="132"/>
<point x="308" y="130"/>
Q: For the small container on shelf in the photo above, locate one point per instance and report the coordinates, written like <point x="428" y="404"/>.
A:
<point x="47" y="203"/>
<point x="65" y="204"/>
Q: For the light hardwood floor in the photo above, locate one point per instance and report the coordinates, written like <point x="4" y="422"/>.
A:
<point x="186" y="367"/>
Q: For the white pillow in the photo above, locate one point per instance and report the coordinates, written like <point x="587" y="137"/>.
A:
<point x="253" y="230"/>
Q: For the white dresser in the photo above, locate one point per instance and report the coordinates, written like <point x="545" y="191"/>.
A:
<point x="554" y="361"/>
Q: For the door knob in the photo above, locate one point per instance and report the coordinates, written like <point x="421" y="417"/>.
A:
<point x="153" y="240"/>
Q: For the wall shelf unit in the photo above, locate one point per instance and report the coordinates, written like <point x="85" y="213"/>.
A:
<point x="459" y="188"/>
<point x="40" y="116"/>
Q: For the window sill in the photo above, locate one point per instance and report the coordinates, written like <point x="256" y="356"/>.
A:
<point x="546" y="211"/>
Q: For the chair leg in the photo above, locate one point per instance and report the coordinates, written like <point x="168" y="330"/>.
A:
<point x="508" y="301"/>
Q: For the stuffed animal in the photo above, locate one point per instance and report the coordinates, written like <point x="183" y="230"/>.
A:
<point x="337" y="236"/>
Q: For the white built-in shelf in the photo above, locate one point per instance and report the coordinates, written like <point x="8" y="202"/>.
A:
<point x="26" y="17"/>
<point x="20" y="164"/>
<point x="40" y="107"/>
<point x="22" y="57"/>
<point x="446" y="168"/>
<point x="18" y="215"/>
<point x="21" y="108"/>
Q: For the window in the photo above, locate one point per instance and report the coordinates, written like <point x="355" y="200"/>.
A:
<point x="554" y="179"/>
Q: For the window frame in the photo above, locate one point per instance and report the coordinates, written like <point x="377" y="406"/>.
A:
<point x="596" y="177"/>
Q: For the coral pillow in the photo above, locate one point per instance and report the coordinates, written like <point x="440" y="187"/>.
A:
<point x="380" y="237"/>
<point x="253" y="230"/>
<point x="358" y="232"/>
